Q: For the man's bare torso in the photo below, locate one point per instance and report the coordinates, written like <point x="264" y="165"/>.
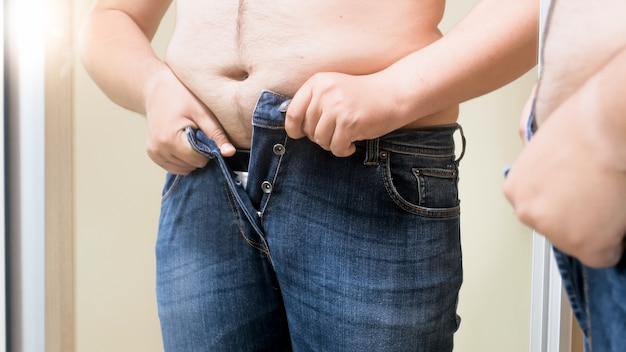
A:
<point x="573" y="52"/>
<point x="227" y="52"/>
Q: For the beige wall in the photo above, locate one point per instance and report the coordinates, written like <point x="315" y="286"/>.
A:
<point x="117" y="197"/>
<point x="117" y="202"/>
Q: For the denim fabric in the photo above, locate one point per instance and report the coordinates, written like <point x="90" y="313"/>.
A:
<point x="598" y="300"/>
<point x="317" y="253"/>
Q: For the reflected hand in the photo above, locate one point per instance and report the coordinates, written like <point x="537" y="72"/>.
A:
<point x="526" y="112"/>
<point x="566" y="186"/>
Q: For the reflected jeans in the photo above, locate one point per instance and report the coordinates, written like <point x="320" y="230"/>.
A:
<point x="317" y="253"/>
<point x="598" y="300"/>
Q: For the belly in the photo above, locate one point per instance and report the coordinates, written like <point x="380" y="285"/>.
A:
<point x="226" y="53"/>
<point x="583" y="36"/>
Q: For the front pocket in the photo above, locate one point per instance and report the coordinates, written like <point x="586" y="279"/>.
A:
<point x="437" y="188"/>
<point x="422" y="185"/>
<point x="171" y="184"/>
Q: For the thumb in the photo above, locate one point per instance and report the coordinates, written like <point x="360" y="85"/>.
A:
<point x="215" y="132"/>
<point x="226" y="148"/>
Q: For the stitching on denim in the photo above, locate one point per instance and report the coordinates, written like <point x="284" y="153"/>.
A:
<point x="587" y="306"/>
<point x="407" y="206"/>
<point x="256" y="107"/>
<point x="269" y="127"/>
<point x="278" y="95"/>
<point x="267" y="198"/>
<point x="421" y="185"/>
<point x="262" y="247"/>
<point x="172" y="189"/>
<point x="372" y="147"/>
<point x="436" y="172"/>
<point x="417" y="151"/>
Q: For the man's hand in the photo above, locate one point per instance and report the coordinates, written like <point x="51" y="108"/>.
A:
<point x="335" y="110"/>
<point x="566" y="186"/>
<point x="170" y="108"/>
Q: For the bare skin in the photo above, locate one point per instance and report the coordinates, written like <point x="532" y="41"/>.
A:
<point x="595" y="28"/>
<point x="570" y="181"/>
<point x="371" y="67"/>
<point x="277" y="45"/>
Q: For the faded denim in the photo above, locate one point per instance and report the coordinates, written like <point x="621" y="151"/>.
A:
<point x="317" y="253"/>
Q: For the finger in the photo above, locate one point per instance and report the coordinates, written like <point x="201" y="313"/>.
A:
<point x="523" y="122"/>
<point x="175" y="154"/>
<point x="310" y="124"/>
<point x="177" y="169"/>
<point x="223" y="143"/>
<point x="296" y="113"/>
<point x="171" y="163"/>
<point x="521" y="130"/>
<point x="527" y="112"/>
<point x="185" y="155"/>
<point x="212" y="129"/>
<point x="343" y="151"/>
<point x="323" y="131"/>
<point x="341" y="144"/>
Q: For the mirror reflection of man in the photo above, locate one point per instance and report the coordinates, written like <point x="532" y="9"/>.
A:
<point x="569" y="183"/>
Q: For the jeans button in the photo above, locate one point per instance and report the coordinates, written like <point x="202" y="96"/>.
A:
<point x="283" y="107"/>
<point x="266" y="187"/>
<point x="279" y="149"/>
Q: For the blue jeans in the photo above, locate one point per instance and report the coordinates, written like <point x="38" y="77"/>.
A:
<point x="597" y="296"/>
<point x="317" y="253"/>
<point x="598" y="300"/>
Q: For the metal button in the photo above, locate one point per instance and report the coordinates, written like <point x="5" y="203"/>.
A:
<point x="283" y="107"/>
<point x="279" y="149"/>
<point x="266" y="187"/>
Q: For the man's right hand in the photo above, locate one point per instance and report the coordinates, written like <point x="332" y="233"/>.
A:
<point x="170" y="108"/>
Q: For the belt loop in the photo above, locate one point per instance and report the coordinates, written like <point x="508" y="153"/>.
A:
<point x="371" y="152"/>
<point x="463" y="142"/>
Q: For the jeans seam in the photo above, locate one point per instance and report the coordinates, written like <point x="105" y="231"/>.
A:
<point x="172" y="189"/>
<point x="234" y="208"/>
<point x="266" y="199"/>
<point x="587" y="308"/>
<point x="407" y="206"/>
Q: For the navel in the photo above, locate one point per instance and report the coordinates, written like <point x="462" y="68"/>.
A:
<point x="240" y="75"/>
<point x="236" y="73"/>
